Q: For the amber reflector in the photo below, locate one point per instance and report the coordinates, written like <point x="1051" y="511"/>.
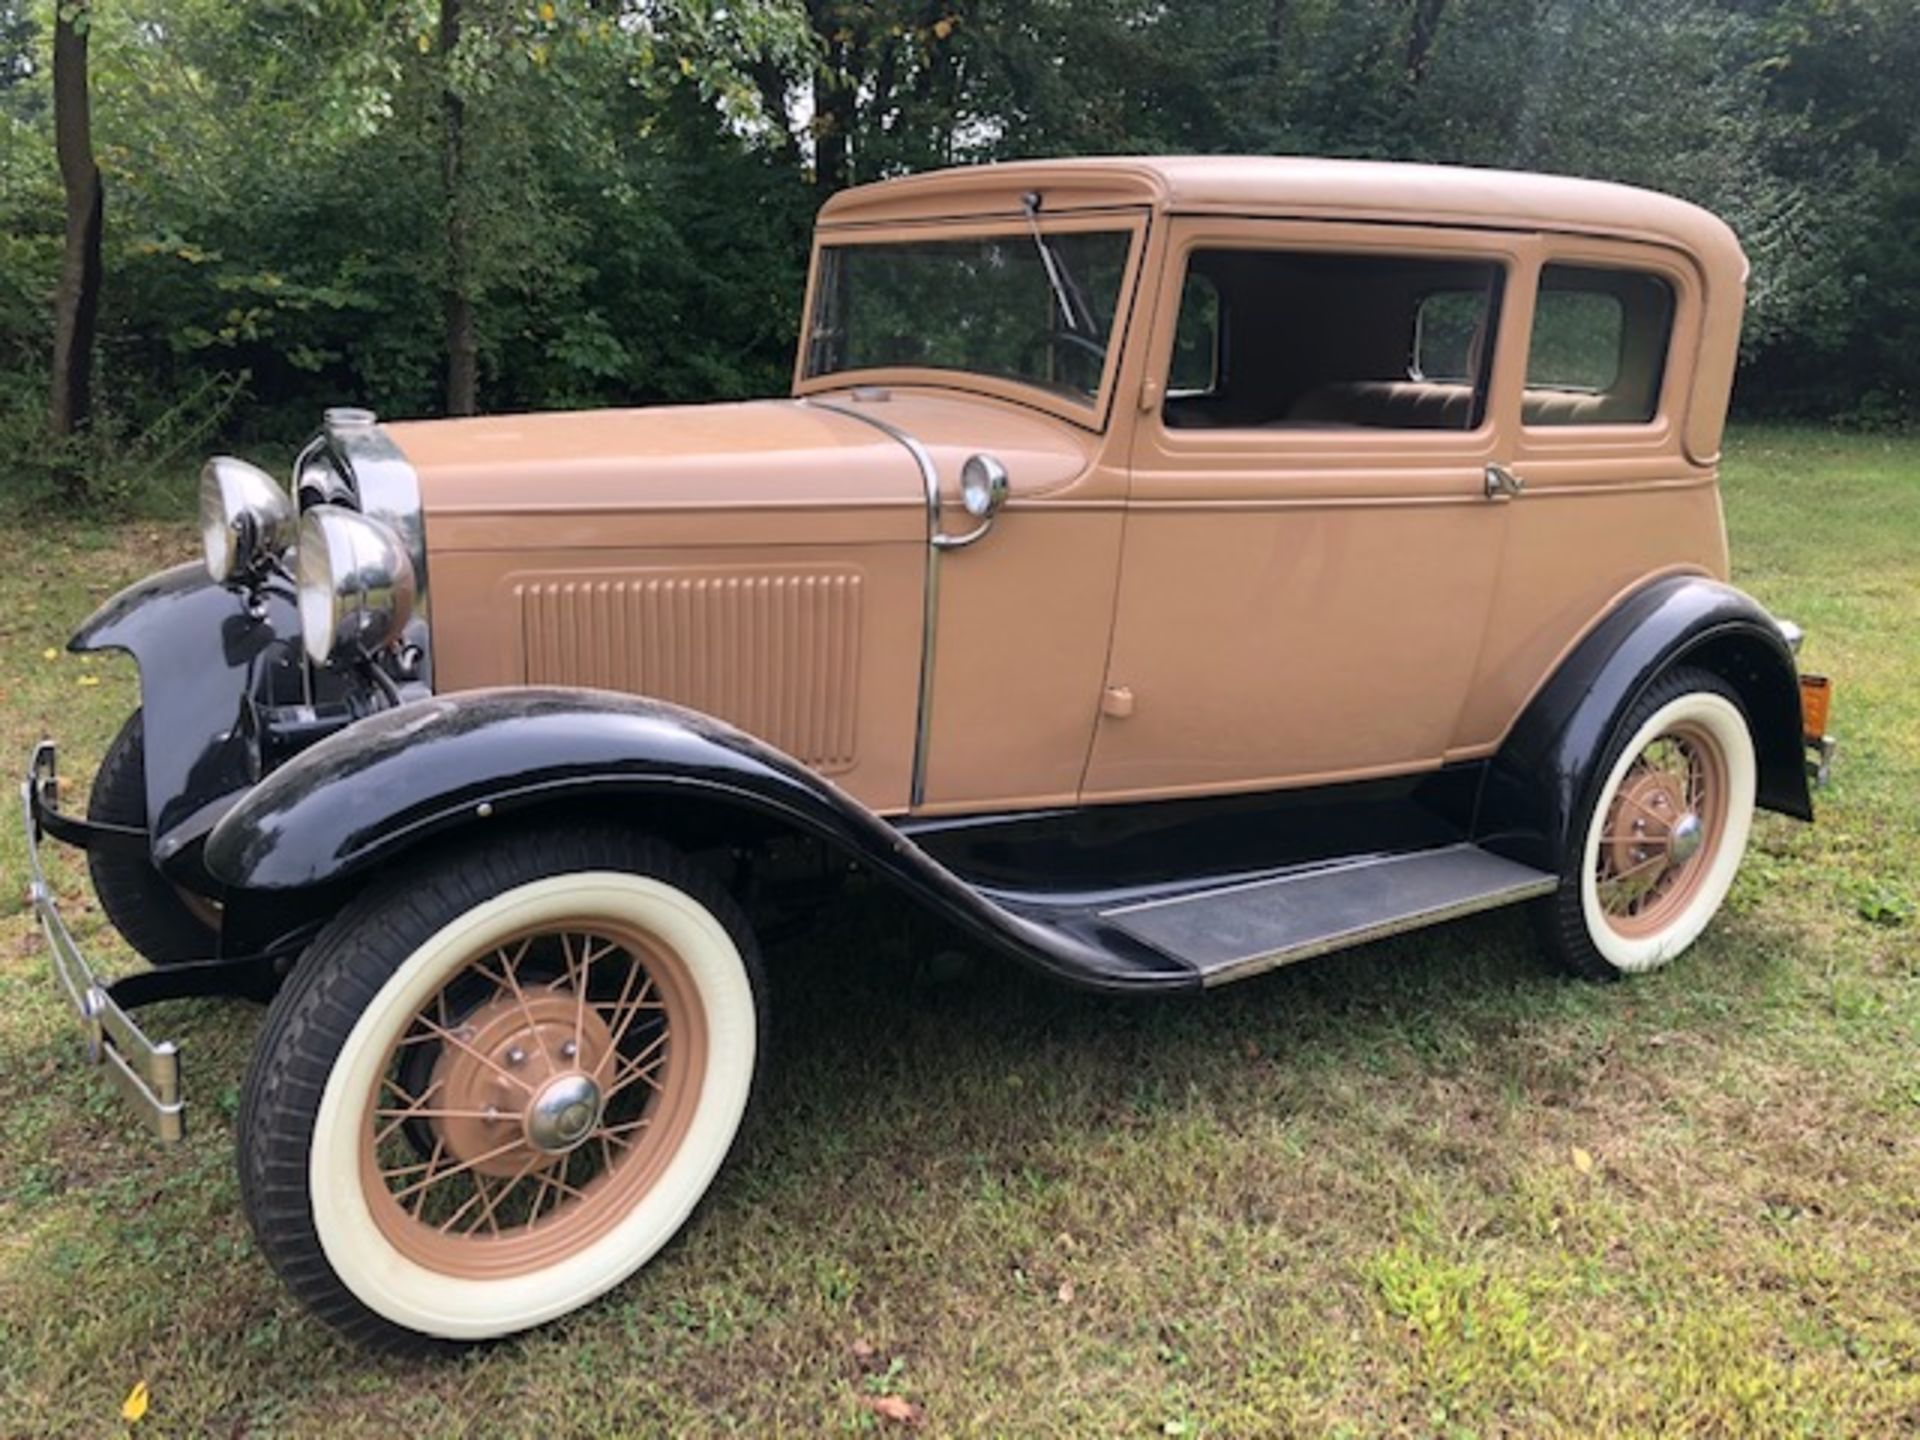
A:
<point x="1816" y="696"/>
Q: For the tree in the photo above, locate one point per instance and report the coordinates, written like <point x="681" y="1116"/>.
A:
<point x="463" y="350"/>
<point x="77" y="301"/>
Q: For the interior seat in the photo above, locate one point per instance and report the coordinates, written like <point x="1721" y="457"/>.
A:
<point x="1435" y="405"/>
<point x="1388" y="404"/>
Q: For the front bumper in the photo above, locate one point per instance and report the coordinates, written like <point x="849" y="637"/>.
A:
<point x="145" y="1071"/>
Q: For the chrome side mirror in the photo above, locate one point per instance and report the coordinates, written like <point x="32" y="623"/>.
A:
<point x="983" y="491"/>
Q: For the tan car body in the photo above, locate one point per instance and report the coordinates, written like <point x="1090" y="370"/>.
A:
<point x="1157" y="612"/>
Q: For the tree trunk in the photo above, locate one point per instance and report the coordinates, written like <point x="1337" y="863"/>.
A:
<point x="1276" y="34"/>
<point x="834" y="99"/>
<point x="463" y="351"/>
<point x="833" y="119"/>
<point x="77" y="302"/>
<point x="1426" y="27"/>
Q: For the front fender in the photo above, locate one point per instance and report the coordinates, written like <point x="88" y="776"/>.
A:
<point x="1539" y="784"/>
<point x="370" y="793"/>
<point x="201" y="654"/>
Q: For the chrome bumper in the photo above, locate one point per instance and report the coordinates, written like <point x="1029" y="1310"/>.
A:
<point x="146" y="1072"/>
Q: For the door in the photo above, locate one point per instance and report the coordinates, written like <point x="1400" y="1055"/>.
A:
<point x="1310" y="548"/>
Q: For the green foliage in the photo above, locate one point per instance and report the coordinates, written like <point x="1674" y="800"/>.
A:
<point x="640" y="175"/>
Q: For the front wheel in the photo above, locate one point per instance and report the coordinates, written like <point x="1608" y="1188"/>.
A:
<point x="161" y="921"/>
<point x="1663" y="834"/>
<point x="497" y="1085"/>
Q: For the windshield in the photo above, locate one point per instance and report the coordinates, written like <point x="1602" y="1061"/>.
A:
<point x="1034" y="307"/>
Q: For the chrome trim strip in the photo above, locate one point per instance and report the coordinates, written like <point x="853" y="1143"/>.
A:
<point x="930" y="478"/>
<point x="145" y="1071"/>
<point x="388" y="489"/>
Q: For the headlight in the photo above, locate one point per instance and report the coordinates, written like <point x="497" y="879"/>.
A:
<point x="356" y="583"/>
<point x="246" y="520"/>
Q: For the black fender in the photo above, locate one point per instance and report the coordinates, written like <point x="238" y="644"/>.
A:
<point x="362" y="798"/>
<point x="1541" y="780"/>
<point x="203" y="651"/>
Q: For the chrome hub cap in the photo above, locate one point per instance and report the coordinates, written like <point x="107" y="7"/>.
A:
<point x="563" y="1113"/>
<point x="1686" y="837"/>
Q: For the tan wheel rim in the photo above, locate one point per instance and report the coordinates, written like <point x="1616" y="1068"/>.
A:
<point x="532" y="1103"/>
<point x="1662" y="830"/>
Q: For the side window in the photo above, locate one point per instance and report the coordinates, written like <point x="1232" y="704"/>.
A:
<point x="1599" y="347"/>
<point x="1445" y="332"/>
<point x="1196" y="339"/>
<point x="1305" y="340"/>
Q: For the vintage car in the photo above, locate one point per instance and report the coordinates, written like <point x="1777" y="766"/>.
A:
<point x="1164" y="570"/>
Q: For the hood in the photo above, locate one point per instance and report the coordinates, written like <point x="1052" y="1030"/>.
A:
<point x="759" y="454"/>
<point x="764" y="454"/>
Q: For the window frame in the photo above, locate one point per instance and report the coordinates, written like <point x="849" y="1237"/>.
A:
<point x="1622" y="439"/>
<point x="1094" y="416"/>
<point x="1218" y="360"/>
<point x="1256" y="448"/>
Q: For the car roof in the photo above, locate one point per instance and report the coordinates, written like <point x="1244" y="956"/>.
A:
<point x="1392" y="191"/>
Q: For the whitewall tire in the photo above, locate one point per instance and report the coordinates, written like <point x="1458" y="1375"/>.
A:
<point x="1663" y="834"/>
<point x="495" y="1087"/>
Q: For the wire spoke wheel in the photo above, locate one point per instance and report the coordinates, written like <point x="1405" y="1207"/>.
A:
<point x="498" y="1083"/>
<point x="533" y="1100"/>
<point x="1663" y="833"/>
<point x="1660" y="833"/>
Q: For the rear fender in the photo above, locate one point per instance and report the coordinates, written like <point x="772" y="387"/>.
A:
<point x="1541" y="781"/>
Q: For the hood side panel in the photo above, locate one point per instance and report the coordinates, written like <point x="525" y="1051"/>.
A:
<point x="762" y="563"/>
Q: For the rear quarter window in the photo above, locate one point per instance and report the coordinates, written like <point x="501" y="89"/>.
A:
<point x="1598" y="351"/>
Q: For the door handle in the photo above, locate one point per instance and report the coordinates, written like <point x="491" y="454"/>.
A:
<point x="1502" y="483"/>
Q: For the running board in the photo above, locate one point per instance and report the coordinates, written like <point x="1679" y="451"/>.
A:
<point x="1241" y="930"/>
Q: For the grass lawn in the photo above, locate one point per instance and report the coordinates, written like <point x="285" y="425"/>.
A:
<point x="1426" y="1188"/>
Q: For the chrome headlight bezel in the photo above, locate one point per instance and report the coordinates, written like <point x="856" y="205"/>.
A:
<point x="355" y="582"/>
<point x="247" y="522"/>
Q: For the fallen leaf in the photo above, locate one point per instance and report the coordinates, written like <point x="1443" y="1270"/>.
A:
<point x="1582" y="1161"/>
<point x="135" y="1405"/>
<point x="1065" y="1292"/>
<point x="89" y="679"/>
<point x="862" y="1350"/>
<point x="49" y="653"/>
<point x="893" y="1407"/>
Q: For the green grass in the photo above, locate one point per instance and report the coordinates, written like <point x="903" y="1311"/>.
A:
<point x="1427" y="1188"/>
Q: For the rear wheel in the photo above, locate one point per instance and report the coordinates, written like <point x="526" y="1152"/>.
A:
<point x="497" y="1085"/>
<point x="1665" y="832"/>
<point x="156" y="917"/>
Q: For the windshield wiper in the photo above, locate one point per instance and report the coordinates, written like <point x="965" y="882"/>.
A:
<point x="1064" y="290"/>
